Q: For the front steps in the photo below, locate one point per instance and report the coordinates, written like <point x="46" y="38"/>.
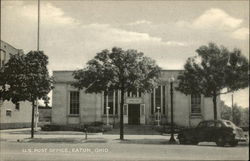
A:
<point x="135" y="130"/>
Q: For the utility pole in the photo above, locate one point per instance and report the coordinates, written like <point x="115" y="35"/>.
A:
<point x="38" y="26"/>
<point x="172" y="139"/>
<point x="38" y="46"/>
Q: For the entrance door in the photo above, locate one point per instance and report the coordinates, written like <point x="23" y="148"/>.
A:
<point x="134" y="114"/>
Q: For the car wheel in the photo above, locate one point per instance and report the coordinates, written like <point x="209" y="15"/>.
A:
<point x="182" y="140"/>
<point x="220" y="141"/>
<point x="233" y="143"/>
<point x="194" y="142"/>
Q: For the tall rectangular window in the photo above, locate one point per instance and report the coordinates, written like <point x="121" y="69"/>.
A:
<point x="195" y="104"/>
<point x="134" y="93"/>
<point x="152" y="103"/>
<point x="116" y="102"/>
<point x="109" y="102"/>
<point x="158" y="97"/>
<point x="164" y="99"/>
<point x="74" y="102"/>
<point x="105" y="102"/>
<point x="125" y="109"/>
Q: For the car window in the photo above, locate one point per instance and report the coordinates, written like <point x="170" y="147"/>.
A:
<point x="210" y="124"/>
<point x="218" y="124"/>
<point x="229" y="124"/>
<point x="202" y="124"/>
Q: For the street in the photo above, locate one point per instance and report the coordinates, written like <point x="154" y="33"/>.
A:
<point x="109" y="147"/>
<point x="121" y="151"/>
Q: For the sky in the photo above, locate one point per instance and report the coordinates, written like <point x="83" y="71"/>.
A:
<point x="72" y="32"/>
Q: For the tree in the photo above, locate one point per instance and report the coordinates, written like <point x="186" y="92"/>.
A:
<point x="240" y="116"/>
<point x="213" y="70"/>
<point x="118" y="70"/>
<point x="28" y="79"/>
<point x="245" y="117"/>
<point x="226" y="112"/>
<point x="236" y="114"/>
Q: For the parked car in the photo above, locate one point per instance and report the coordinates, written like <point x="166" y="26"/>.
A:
<point x="218" y="131"/>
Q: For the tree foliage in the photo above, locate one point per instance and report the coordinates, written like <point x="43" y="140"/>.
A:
<point x="245" y="117"/>
<point x="240" y="115"/>
<point x="25" y="77"/>
<point x="118" y="70"/>
<point x="226" y="112"/>
<point x="215" y="68"/>
<point x="237" y="114"/>
<point x="124" y="70"/>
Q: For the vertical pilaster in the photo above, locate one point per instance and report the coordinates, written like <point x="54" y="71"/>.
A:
<point x="154" y="100"/>
<point x="102" y="102"/>
<point x="67" y="104"/>
<point x="107" y="100"/>
<point x="161" y="99"/>
<point x="119" y="101"/>
<point x="113" y="102"/>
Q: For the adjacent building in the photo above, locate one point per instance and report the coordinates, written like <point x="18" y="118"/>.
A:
<point x="12" y="115"/>
<point x="75" y="107"/>
<point x="44" y="114"/>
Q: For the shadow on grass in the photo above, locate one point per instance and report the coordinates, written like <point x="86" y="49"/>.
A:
<point x="3" y="139"/>
<point x="166" y="142"/>
<point x="49" y="132"/>
<point x="96" y="141"/>
<point x="20" y="132"/>
<point x="212" y="144"/>
<point x="66" y="140"/>
<point x="56" y="140"/>
<point x="145" y="141"/>
<point x="53" y="133"/>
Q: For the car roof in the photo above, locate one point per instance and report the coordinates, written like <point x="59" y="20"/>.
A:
<point x="219" y="120"/>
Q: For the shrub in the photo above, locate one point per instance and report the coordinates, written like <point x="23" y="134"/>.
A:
<point x="167" y="129"/>
<point x="97" y="123"/>
<point x="93" y="127"/>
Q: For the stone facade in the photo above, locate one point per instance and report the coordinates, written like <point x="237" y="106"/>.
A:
<point x="73" y="107"/>
<point x="13" y="116"/>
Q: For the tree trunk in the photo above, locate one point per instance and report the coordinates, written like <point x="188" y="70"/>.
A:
<point x="215" y="106"/>
<point x="32" y="119"/>
<point x="121" y="115"/>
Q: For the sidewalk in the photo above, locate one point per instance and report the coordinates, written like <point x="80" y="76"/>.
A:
<point x="23" y="135"/>
<point x="74" y="137"/>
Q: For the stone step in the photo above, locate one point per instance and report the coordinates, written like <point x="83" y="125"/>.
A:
<point x="135" y="130"/>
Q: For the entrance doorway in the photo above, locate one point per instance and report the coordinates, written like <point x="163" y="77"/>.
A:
<point x="134" y="114"/>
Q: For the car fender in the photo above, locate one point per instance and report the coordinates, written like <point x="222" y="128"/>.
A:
<point x="189" y="134"/>
<point x="226" y="133"/>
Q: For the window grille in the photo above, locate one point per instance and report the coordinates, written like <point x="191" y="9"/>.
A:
<point x="195" y="104"/>
<point x="74" y="102"/>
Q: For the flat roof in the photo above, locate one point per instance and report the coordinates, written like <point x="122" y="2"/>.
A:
<point x="161" y="70"/>
<point x="9" y="45"/>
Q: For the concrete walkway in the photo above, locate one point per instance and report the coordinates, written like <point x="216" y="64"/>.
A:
<point x="74" y="137"/>
<point x="23" y="135"/>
